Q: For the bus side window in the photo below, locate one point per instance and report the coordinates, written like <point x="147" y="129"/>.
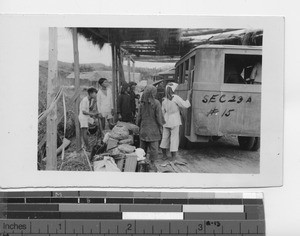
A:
<point x="186" y="74"/>
<point x="191" y="71"/>
<point x="176" y="78"/>
<point x="242" y="69"/>
<point x="180" y="73"/>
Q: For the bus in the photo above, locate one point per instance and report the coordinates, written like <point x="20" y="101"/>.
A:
<point x="226" y="97"/>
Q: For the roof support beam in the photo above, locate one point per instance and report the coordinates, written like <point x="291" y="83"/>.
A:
<point x="77" y="85"/>
<point x="152" y="58"/>
<point x="128" y="68"/>
<point x="114" y="78"/>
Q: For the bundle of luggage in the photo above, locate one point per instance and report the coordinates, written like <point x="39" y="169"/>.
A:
<point x="122" y="145"/>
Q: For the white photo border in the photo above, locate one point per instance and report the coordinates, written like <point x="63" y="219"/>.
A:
<point x="20" y="45"/>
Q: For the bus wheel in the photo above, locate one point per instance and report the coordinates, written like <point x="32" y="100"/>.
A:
<point x="256" y="144"/>
<point x="246" y="143"/>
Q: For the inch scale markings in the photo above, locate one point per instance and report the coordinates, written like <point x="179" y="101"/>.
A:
<point x="131" y="213"/>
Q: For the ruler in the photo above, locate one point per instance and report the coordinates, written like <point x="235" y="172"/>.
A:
<point x="131" y="213"/>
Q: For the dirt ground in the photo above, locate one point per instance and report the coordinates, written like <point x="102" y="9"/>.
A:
<point x="222" y="156"/>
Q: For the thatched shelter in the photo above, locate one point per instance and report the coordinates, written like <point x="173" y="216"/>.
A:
<point x="166" y="44"/>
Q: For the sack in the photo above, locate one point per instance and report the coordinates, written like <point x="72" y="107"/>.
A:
<point x="119" y="132"/>
<point x="126" y="148"/>
<point x="107" y="164"/>
<point x="106" y="137"/>
<point x="140" y="154"/>
<point x="127" y="141"/>
<point x="115" y="152"/>
<point x="132" y="127"/>
<point x="111" y="143"/>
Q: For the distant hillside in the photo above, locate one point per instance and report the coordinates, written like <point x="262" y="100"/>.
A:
<point x="66" y="68"/>
<point x="97" y="66"/>
<point x="62" y="66"/>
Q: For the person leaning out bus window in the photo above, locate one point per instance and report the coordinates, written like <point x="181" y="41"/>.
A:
<point x="170" y="109"/>
<point x="255" y="76"/>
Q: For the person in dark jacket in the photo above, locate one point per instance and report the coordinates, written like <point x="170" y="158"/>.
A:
<point x="124" y="104"/>
<point x="150" y="121"/>
<point x="133" y="96"/>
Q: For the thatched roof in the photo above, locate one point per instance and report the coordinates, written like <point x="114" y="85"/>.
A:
<point x="149" y="44"/>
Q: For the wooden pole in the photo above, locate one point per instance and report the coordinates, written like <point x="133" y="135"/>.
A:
<point x="121" y="70"/>
<point x="128" y="65"/>
<point x="117" y="73"/>
<point x="114" y="79"/>
<point x="51" y="157"/>
<point x="133" y="71"/>
<point x="77" y="87"/>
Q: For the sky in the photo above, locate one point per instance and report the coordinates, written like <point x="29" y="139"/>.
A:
<point x="88" y="53"/>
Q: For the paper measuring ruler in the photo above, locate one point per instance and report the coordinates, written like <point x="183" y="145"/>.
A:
<point x="131" y="213"/>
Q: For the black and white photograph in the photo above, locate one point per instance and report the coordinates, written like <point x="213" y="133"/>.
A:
<point x="143" y="102"/>
<point x="174" y="117"/>
<point x="158" y="100"/>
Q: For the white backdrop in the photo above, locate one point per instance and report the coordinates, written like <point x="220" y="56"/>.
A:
<point x="282" y="203"/>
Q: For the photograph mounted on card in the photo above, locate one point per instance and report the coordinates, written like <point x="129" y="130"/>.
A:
<point x="157" y="101"/>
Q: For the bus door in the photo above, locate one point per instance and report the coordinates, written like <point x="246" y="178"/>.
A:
<point x="190" y="81"/>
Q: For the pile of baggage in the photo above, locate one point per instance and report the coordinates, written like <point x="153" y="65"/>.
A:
<point x="121" y="145"/>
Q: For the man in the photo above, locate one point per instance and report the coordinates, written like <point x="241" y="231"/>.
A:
<point x="133" y="96"/>
<point x="105" y="102"/>
<point x="85" y="116"/>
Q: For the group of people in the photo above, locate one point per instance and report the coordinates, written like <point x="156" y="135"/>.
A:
<point x="159" y="123"/>
<point x="104" y="112"/>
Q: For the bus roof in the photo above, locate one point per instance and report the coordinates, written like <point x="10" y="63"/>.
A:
<point x="217" y="46"/>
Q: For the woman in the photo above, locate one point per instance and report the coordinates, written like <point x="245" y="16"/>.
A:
<point x="170" y="109"/>
<point x="150" y="121"/>
<point x="124" y="104"/>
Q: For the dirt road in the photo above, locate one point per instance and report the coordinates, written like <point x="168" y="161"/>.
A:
<point x="222" y="156"/>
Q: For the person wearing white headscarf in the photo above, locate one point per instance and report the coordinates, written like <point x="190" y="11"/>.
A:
<point x="170" y="109"/>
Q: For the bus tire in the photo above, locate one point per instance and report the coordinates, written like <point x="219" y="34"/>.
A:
<point x="246" y="143"/>
<point x="256" y="144"/>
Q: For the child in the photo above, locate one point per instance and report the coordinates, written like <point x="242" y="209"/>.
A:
<point x="85" y="116"/>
